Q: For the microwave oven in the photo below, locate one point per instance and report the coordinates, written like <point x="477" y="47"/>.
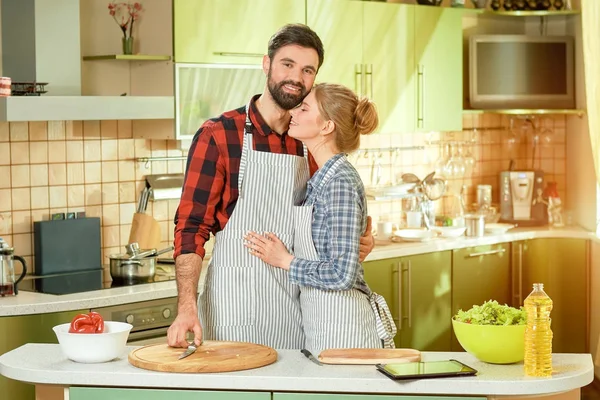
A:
<point x="521" y="71"/>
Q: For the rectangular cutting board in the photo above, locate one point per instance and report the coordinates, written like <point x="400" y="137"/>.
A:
<point x="369" y="356"/>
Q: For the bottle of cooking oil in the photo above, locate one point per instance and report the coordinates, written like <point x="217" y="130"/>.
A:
<point x="538" y="335"/>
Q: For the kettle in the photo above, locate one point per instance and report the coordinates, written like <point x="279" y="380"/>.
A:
<point x="8" y="284"/>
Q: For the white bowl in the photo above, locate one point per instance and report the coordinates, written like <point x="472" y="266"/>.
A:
<point x="414" y="235"/>
<point x="93" y="347"/>
<point x="450" y="231"/>
<point x="498" y="228"/>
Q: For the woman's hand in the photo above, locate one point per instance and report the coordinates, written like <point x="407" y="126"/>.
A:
<point x="268" y="248"/>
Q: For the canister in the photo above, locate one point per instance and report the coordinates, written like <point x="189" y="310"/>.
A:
<point x="475" y="224"/>
<point x="484" y="196"/>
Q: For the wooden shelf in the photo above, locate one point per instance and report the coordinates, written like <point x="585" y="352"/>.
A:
<point x="128" y="57"/>
<point x="577" y="112"/>
<point x="541" y="13"/>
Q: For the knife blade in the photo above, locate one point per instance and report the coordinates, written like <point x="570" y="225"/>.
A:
<point x="190" y="350"/>
<point x="312" y="358"/>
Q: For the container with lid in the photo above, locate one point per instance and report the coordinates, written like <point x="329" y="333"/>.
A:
<point x="475" y="224"/>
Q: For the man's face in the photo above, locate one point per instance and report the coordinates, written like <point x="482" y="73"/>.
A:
<point x="291" y="74"/>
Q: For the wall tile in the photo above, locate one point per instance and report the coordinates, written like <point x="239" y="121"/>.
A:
<point x="19" y="131"/>
<point x="57" y="174"/>
<point x="56" y="130"/>
<point x="5" y="200"/>
<point x="75" y="151"/>
<point x="126" y="171"/>
<point x="93" y="172"/>
<point x="124" y="232"/>
<point x="110" y="214"/>
<point x="110" y="171"/>
<point x="126" y="148"/>
<point x="22" y="244"/>
<point x="5" y="171"/>
<point x="92" y="150"/>
<point x="126" y="211"/>
<point x="4" y="132"/>
<point x="40" y="197"/>
<point x="19" y="153"/>
<point x="39" y="175"/>
<point x="38" y="152"/>
<point x="109" y="150"/>
<point x="38" y="131"/>
<point x="108" y="129"/>
<point x="93" y="194"/>
<point x="110" y="193"/>
<point x="21" y="222"/>
<point x="75" y="174"/>
<point x="5" y="153"/>
<point x="21" y="199"/>
<point x="124" y="129"/>
<point x="5" y="223"/>
<point x="75" y="196"/>
<point x="110" y="236"/>
<point x="57" y="152"/>
<point x="91" y="130"/>
<point x="58" y="196"/>
<point x="127" y="192"/>
<point x="74" y="130"/>
<point x="20" y="176"/>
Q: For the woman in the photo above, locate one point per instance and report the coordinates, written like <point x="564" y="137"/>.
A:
<point x="338" y="308"/>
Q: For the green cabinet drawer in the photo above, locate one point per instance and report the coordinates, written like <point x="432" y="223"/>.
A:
<point x="90" y="393"/>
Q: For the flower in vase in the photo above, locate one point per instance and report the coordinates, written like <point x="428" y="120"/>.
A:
<point x="125" y="14"/>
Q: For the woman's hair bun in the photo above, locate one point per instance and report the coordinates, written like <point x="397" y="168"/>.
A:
<point x="365" y="116"/>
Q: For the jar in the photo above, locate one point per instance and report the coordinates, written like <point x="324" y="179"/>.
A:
<point x="475" y="225"/>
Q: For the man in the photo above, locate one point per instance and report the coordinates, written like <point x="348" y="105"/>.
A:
<point x="245" y="173"/>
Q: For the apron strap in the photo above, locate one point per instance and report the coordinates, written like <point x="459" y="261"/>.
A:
<point x="246" y="147"/>
<point x="386" y="329"/>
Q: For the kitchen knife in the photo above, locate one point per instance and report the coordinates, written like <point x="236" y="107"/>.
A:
<point x="190" y="350"/>
<point x="312" y="358"/>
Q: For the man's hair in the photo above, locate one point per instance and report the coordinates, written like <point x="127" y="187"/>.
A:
<point x="297" y="34"/>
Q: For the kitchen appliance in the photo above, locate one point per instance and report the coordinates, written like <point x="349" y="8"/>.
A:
<point x="521" y="71"/>
<point x="521" y="198"/>
<point x="136" y="265"/>
<point x="8" y="284"/>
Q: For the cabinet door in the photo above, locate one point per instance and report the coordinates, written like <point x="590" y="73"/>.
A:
<point x="388" y="56"/>
<point x="19" y="330"/>
<point x="382" y="276"/>
<point x="561" y="265"/>
<point x="427" y="300"/>
<point x="480" y="274"/>
<point x="438" y="54"/>
<point x="229" y="31"/>
<point x="90" y="393"/>
<point x="339" y="25"/>
<point x="328" y="396"/>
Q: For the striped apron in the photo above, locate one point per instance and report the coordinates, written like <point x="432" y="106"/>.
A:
<point x="338" y="318"/>
<point x="245" y="299"/>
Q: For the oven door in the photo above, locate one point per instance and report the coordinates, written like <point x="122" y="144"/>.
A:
<point x="147" y="337"/>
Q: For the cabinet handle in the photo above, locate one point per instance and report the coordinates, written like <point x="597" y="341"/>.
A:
<point x="358" y="81"/>
<point x="409" y="293"/>
<point x="233" y="54"/>
<point x="487" y="253"/>
<point x="420" y="96"/>
<point x="369" y="77"/>
<point x="398" y="271"/>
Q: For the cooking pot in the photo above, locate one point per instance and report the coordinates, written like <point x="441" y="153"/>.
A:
<point x="135" y="265"/>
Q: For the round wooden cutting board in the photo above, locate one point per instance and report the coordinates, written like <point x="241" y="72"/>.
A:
<point x="211" y="356"/>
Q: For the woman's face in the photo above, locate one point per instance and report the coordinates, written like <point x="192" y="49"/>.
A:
<point x="306" y="122"/>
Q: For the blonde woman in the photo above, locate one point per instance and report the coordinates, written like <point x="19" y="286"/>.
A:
<point x="339" y="310"/>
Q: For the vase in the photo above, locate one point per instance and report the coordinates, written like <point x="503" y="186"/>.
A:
<point x="127" y="45"/>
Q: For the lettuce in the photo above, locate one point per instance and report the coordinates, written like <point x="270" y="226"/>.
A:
<point x="492" y="313"/>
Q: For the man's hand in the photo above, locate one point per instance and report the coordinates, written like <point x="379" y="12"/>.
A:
<point x="367" y="242"/>
<point x="184" y="322"/>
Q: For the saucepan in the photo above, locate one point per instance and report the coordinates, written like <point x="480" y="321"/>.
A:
<point x="135" y="265"/>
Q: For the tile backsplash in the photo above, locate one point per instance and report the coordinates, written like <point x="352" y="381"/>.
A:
<point x="67" y="166"/>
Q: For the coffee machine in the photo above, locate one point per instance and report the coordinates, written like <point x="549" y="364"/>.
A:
<point x="521" y="198"/>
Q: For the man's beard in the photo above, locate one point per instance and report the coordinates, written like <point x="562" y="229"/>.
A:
<point x="283" y="99"/>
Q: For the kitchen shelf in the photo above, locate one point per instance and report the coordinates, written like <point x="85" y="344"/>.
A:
<point x="128" y="57"/>
<point x="578" y="112"/>
<point x="538" y="13"/>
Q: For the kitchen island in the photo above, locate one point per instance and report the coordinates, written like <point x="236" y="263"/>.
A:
<point x="292" y="377"/>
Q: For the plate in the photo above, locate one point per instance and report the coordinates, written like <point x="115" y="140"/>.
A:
<point x="413" y="235"/>
<point x="450" y="231"/>
<point x="498" y="228"/>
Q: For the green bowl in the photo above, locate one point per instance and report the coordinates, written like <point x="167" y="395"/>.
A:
<point x="495" y="344"/>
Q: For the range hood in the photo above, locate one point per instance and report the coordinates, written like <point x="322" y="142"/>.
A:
<point x="165" y="186"/>
<point x="42" y="42"/>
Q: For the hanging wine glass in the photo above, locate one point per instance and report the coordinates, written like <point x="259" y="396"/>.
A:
<point x="440" y="164"/>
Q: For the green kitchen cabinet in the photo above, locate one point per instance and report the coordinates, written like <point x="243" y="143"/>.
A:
<point x="229" y="31"/>
<point x="562" y="266"/>
<point x="336" y="21"/>
<point x="439" y="68"/>
<point x="91" y="393"/>
<point x="480" y="274"/>
<point x="418" y="293"/>
<point x="407" y="59"/>
<point x="16" y="331"/>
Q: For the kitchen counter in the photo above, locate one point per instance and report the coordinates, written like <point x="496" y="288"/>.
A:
<point x="37" y="303"/>
<point x="44" y="364"/>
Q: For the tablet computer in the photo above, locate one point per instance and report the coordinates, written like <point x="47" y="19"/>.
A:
<point x="426" y="369"/>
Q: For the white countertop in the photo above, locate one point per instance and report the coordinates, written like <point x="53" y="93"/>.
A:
<point x="45" y="364"/>
<point x="38" y="303"/>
